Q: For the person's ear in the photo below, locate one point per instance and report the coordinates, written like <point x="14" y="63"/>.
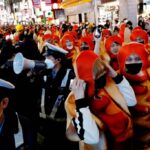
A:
<point x="59" y="59"/>
<point x="5" y="102"/>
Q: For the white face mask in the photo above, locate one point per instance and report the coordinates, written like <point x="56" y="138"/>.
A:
<point x="25" y="32"/>
<point x="49" y="63"/>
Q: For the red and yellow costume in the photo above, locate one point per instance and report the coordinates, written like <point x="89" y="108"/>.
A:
<point x="140" y="33"/>
<point x="88" y="40"/>
<point x="141" y="85"/>
<point x="103" y="107"/>
<point x="73" y="52"/>
<point x="113" y="57"/>
<point x="124" y="33"/>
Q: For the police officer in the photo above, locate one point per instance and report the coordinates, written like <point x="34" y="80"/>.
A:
<point x="55" y="89"/>
<point x="8" y="118"/>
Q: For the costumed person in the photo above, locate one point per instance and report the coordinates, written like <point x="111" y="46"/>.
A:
<point x="98" y="96"/>
<point x="140" y="36"/>
<point x="105" y="34"/>
<point x="124" y="32"/>
<point x="8" y="118"/>
<point x="86" y="43"/>
<point x="112" y="45"/>
<point x="55" y="89"/>
<point x="68" y="43"/>
<point x="134" y="65"/>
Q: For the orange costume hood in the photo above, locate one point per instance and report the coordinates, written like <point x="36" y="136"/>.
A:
<point x="109" y="41"/>
<point x="87" y="40"/>
<point x="139" y="33"/>
<point x="125" y="52"/>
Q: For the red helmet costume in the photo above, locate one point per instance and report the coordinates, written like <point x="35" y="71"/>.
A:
<point x="125" y="52"/>
<point x="105" y="33"/>
<point x="139" y="33"/>
<point x="88" y="40"/>
<point x="71" y="49"/>
<point x="87" y="58"/>
<point x="137" y="28"/>
<point x="121" y="30"/>
<point x="140" y="83"/>
<point x="53" y="29"/>
<point x="75" y="28"/>
<point x="55" y="38"/>
<point x="47" y="36"/>
<point x="73" y="33"/>
<point x="108" y="43"/>
<point x="113" y="54"/>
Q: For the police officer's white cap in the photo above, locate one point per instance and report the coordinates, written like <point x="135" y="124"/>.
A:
<point x="6" y="84"/>
<point x="55" y="48"/>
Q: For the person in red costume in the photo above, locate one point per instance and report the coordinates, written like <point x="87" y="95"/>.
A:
<point x="139" y="36"/>
<point x="112" y="45"/>
<point x="137" y="28"/>
<point x="67" y="42"/>
<point x="86" y="43"/>
<point x="99" y="94"/>
<point x="124" y="32"/>
<point x="134" y="65"/>
<point x="105" y="34"/>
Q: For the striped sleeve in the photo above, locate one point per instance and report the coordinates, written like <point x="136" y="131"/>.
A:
<point x="85" y="126"/>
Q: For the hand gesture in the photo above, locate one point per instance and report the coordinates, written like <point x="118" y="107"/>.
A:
<point x="78" y="88"/>
<point x="111" y="71"/>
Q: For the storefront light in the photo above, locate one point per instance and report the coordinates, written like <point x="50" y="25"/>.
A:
<point x="55" y="6"/>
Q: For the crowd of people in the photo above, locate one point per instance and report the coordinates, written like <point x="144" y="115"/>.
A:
<point x="82" y="86"/>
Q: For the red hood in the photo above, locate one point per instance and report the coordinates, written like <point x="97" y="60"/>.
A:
<point x="125" y="52"/>
<point x="84" y="68"/>
<point x="105" y="33"/>
<point x="139" y="33"/>
<point x="63" y="41"/>
<point x="109" y="42"/>
<point x="87" y="40"/>
<point x="122" y="30"/>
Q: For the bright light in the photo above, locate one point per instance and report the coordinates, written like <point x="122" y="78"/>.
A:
<point x="55" y="6"/>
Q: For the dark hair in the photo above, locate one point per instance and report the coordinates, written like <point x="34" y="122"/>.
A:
<point x="5" y="92"/>
<point x="55" y="54"/>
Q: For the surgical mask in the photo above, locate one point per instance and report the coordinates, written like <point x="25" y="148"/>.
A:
<point x="69" y="47"/>
<point x="133" y="68"/>
<point x="49" y="63"/>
